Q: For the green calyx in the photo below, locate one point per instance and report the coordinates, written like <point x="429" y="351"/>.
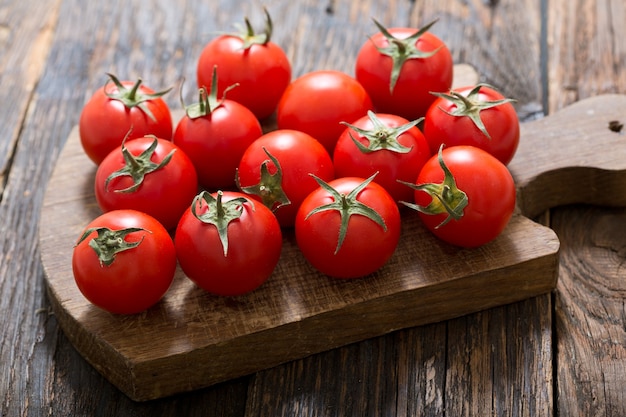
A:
<point x="447" y="198"/>
<point x="381" y="136"/>
<point x="207" y="102"/>
<point x="401" y="50"/>
<point x="471" y="106"/>
<point x="347" y="205"/>
<point x="219" y="213"/>
<point x="249" y="37"/>
<point x="109" y="242"/>
<point x="269" y="188"/>
<point x="137" y="167"/>
<point x="132" y="97"/>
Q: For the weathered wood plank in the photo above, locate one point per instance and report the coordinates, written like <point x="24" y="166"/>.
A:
<point x="590" y="318"/>
<point x="586" y="50"/>
<point x="25" y="35"/>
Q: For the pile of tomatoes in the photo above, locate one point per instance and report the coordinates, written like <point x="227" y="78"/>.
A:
<point x="215" y="191"/>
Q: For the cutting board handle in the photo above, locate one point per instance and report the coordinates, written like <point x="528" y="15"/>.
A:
<point x="572" y="156"/>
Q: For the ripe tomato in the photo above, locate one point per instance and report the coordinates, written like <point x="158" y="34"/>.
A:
<point x="115" y="111"/>
<point x="465" y="196"/>
<point x="124" y="262"/>
<point x="383" y="143"/>
<point x="227" y="244"/>
<point x="479" y="116"/>
<point x="150" y="175"/>
<point x="317" y="102"/>
<point x="276" y="169"/>
<point x="258" y="65"/>
<point x="215" y="133"/>
<point x="348" y="228"/>
<point x="400" y="67"/>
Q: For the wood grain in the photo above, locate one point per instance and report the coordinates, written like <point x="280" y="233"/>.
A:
<point x="297" y="313"/>
<point x="590" y="311"/>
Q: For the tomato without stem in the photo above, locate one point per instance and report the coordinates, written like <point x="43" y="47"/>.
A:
<point x="400" y="67"/>
<point x="120" y="109"/>
<point x="258" y="65"/>
<point x="348" y="228"/>
<point x="317" y="102"/>
<point x="228" y="244"/>
<point x="124" y="262"/>
<point x="383" y="143"/>
<point x="474" y="115"/>
<point x="147" y="174"/>
<point x="215" y="133"/>
<point x="276" y="169"/>
<point x="464" y="196"/>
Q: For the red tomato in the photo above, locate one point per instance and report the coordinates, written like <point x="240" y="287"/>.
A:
<point x="258" y="65"/>
<point x="400" y="67"/>
<point x="317" y="103"/>
<point x="124" y="262"/>
<point x="215" y="133"/>
<point x="150" y="175"/>
<point x="348" y="228"/>
<point x="479" y="116"/>
<point x="227" y="244"/>
<point x="383" y="143"/>
<point x="298" y="155"/>
<point x="478" y="191"/>
<point x="115" y="111"/>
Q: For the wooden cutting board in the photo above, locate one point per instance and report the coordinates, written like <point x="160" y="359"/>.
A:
<point x="192" y="339"/>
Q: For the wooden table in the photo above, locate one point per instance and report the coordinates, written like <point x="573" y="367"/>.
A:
<point x="557" y="354"/>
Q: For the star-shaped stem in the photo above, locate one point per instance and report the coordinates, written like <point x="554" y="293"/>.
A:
<point x="470" y="105"/>
<point x="270" y="187"/>
<point x="219" y="213"/>
<point x="132" y="97"/>
<point x="381" y="136"/>
<point x="401" y="50"/>
<point x="110" y="242"/>
<point x="347" y="205"/>
<point x="207" y="102"/>
<point x="447" y="198"/>
<point x="137" y="167"/>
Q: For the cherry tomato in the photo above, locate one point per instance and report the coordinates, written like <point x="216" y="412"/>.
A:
<point x="479" y="116"/>
<point x="276" y="169"/>
<point x="464" y="196"/>
<point x="124" y="262"/>
<point x="150" y="175"/>
<point x="383" y="143"/>
<point x="215" y="133"/>
<point x="228" y="244"/>
<point x="258" y="65"/>
<point x="348" y="228"/>
<point x="317" y="103"/>
<point x="119" y="110"/>
<point x="400" y="67"/>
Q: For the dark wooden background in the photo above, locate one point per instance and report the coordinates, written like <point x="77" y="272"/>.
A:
<point x="558" y="354"/>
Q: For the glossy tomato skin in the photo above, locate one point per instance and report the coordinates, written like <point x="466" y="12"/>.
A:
<point x="262" y="71"/>
<point x="411" y="96"/>
<point x="391" y="166"/>
<point x="490" y="192"/>
<point x="255" y="243"/>
<point x="501" y="122"/>
<point x="216" y="142"/>
<point x="299" y="156"/>
<point x="367" y="246"/>
<point x="105" y="122"/>
<point x="317" y="102"/>
<point x="164" y="193"/>
<point x="138" y="278"/>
